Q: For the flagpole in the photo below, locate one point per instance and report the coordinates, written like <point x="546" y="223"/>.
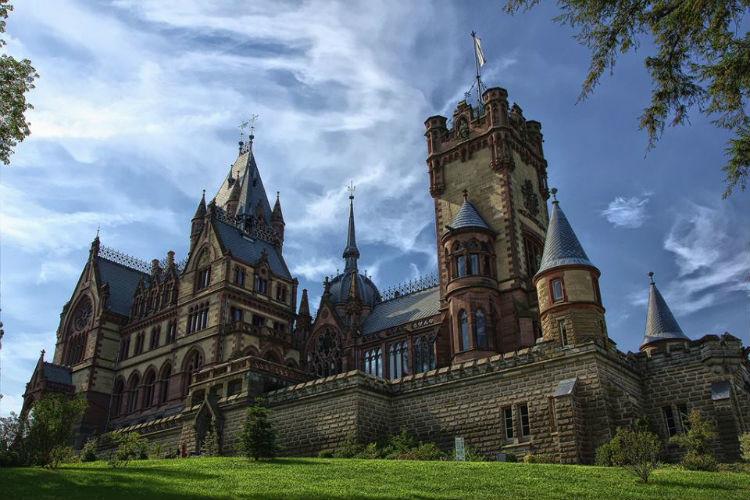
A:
<point x="476" y="64"/>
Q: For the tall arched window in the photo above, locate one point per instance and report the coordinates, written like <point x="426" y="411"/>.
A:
<point x="148" y="389"/>
<point x="133" y="392"/>
<point x="480" y="328"/>
<point x="463" y="324"/>
<point x="398" y="359"/>
<point x="424" y="354"/>
<point x="326" y="357"/>
<point x="166" y="373"/>
<point x="117" y="391"/>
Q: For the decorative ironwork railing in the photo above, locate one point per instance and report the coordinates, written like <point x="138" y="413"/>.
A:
<point x="412" y="286"/>
<point x="257" y="231"/>
<point x="141" y="265"/>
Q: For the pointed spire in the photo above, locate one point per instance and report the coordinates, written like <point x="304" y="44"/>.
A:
<point x="351" y="252"/>
<point x="467" y="216"/>
<point x="94" y="250"/>
<point x="660" y="323"/>
<point x="304" y="305"/>
<point x="200" y="212"/>
<point x="276" y="214"/>
<point x="561" y="246"/>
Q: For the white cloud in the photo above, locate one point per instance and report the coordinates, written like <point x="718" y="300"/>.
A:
<point x="626" y="212"/>
<point x="315" y="269"/>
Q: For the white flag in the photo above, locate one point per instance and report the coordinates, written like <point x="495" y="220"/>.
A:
<point x="478" y="50"/>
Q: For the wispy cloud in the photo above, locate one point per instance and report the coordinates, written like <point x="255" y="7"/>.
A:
<point x="626" y="212"/>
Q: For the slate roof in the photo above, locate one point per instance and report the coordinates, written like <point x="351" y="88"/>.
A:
<point x="402" y="310"/>
<point x="251" y="187"/>
<point x="249" y="249"/>
<point x="341" y="284"/>
<point x="122" y="282"/>
<point x="561" y="246"/>
<point x="468" y="216"/>
<point x="57" y="374"/>
<point x="660" y="323"/>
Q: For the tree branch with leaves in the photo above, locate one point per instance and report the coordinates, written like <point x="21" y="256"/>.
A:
<point x="16" y="80"/>
<point x="701" y="61"/>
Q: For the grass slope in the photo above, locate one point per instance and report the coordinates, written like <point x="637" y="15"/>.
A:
<point x="231" y="477"/>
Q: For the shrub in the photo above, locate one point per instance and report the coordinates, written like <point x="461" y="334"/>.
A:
<point x="258" y="439"/>
<point x="399" y="444"/>
<point x="60" y="455"/>
<point x="325" y="454"/>
<point x="534" y="458"/>
<point x="424" y="451"/>
<point x="350" y="449"/>
<point x="471" y="455"/>
<point x="698" y="443"/>
<point x="130" y="446"/>
<point x="156" y="452"/>
<point x="698" y="461"/>
<point x="88" y="452"/>
<point x="745" y="446"/>
<point x="636" y="450"/>
<point x="371" y="451"/>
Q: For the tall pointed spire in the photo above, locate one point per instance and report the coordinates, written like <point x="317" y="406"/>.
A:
<point x="200" y="212"/>
<point x="561" y="246"/>
<point x="304" y="305"/>
<point x="660" y="322"/>
<point x="351" y="252"/>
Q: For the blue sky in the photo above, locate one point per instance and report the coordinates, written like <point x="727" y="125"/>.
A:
<point x="137" y="110"/>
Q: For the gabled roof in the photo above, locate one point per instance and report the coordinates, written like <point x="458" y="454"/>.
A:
<point x="122" y="281"/>
<point x="561" y="246"/>
<point x="660" y="322"/>
<point x="249" y="249"/>
<point x="468" y="216"/>
<point x="407" y="308"/>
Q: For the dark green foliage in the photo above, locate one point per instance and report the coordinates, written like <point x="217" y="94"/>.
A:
<point x="698" y="443"/>
<point x="258" y="438"/>
<point x="702" y="61"/>
<point x="51" y="426"/>
<point x="401" y="446"/>
<point x="211" y="446"/>
<point x="60" y="455"/>
<point x="130" y="446"/>
<point x="88" y="452"/>
<point x="12" y="430"/>
<point x="635" y="449"/>
<point x="16" y="79"/>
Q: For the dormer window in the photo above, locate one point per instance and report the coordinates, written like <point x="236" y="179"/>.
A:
<point x="281" y="293"/>
<point x="239" y="276"/>
<point x="558" y="292"/>
<point x="204" y="278"/>
<point x="261" y="284"/>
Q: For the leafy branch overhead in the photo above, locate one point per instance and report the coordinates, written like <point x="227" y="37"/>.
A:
<point x="16" y="79"/>
<point x="702" y="60"/>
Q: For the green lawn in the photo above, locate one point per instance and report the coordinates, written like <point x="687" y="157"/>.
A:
<point x="330" y="478"/>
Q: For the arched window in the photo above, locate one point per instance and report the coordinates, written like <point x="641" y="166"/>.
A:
<point x="398" y="359"/>
<point x="133" y="392"/>
<point x="148" y="389"/>
<point x="463" y="324"/>
<point x="325" y="359"/>
<point x="164" y="376"/>
<point x="461" y="265"/>
<point x="203" y="272"/>
<point x="373" y="362"/>
<point x="424" y="354"/>
<point x="117" y="391"/>
<point x="193" y="363"/>
<point x="480" y="329"/>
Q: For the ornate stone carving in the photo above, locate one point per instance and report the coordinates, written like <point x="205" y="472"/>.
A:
<point x="530" y="198"/>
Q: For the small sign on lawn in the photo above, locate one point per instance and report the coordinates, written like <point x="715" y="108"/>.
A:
<point x="460" y="450"/>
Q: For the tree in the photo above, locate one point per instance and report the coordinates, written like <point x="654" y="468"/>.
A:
<point x="12" y="432"/>
<point x="697" y="442"/>
<point x="258" y="439"/>
<point x="635" y="449"/>
<point x="702" y="61"/>
<point x="16" y="79"/>
<point x="211" y="446"/>
<point x="51" y="426"/>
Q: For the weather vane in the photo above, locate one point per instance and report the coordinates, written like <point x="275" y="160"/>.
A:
<point x="248" y="124"/>
<point x="351" y="187"/>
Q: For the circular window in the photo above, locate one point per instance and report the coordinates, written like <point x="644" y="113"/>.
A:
<point x="82" y="315"/>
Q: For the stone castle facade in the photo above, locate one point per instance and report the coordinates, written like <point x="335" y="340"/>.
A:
<point x="507" y="348"/>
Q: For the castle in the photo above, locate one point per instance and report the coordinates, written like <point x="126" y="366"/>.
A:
<point x="507" y="348"/>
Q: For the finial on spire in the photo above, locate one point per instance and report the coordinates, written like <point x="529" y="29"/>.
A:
<point x="351" y="188"/>
<point x="553" y="191"/>
<point x="42" y="353"/>
<point x="651" y="277"/>
<point x="98" y="227"/>
<point x="466" y="194"/>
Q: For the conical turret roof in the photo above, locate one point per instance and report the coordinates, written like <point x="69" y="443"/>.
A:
<point x="468" y="216"/>
<point x="660" y="322"/>
<point x="561" y="246"/>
